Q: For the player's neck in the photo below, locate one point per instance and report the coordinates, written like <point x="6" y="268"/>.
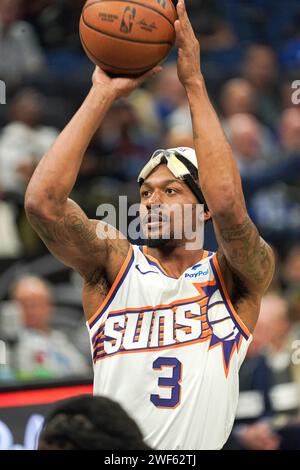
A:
<point x="176" y="260"/>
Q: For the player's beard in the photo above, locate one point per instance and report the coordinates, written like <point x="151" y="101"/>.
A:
<point x="157" y="242"/>
<point x="161" y="240"/>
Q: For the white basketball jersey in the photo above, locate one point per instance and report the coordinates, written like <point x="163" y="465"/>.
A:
<point x="169" y="351"/>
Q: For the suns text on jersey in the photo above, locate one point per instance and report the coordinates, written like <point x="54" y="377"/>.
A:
<point x="148" y="328"/>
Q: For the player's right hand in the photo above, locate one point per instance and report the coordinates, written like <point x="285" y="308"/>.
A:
<point x="121" y="86"/>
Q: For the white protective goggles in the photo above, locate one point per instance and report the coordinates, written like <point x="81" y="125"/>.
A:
<point x="182" y="162"/>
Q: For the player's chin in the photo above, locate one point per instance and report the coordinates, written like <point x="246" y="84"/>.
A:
<point x="157" y="236"/>
<point x="156" y="242"/>
<point x="156" y="230"/>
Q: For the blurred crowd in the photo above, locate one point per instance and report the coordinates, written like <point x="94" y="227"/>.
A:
<point x="250" y="52"/>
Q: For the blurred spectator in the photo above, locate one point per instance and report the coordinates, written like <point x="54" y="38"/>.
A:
<point x="10" y="245"/>
<point x="90" y="423"/>
<point x="291" y="267"/>
<point x="41" y="351"/>
<point x="180" y="120"/>
<point x="170" y="98"/>
<point x="211" y="27"/>
<point x="293" y="296"/>
<point x="269" y="404"/>
<point x="272" y="200"/>
<point x="145" y="109"/>
<point x="23" y="141"/>
<point x="249" y="146"/>
<point x="208" y="22"/>
<point x="260" y="68"/>
<point x="122" y="137"/>
<point x="237" y="97"/>
<point x="270" y="175"/>
<point x="56" y="22"/>
<point x="289" y="130"/>
<point x="20" y="53"/>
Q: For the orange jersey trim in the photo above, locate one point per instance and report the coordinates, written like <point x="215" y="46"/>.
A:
<point x="149" y="349"/>
<point x="197" y="299"/>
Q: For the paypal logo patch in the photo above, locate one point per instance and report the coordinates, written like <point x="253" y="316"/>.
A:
<point x="196" y="274"/>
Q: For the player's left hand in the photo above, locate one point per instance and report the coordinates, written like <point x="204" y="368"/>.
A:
<point x="188" y="64"/>
<point x="121" y="86"/>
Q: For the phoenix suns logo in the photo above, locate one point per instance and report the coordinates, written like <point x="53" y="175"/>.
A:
<point x="127" y="20"/>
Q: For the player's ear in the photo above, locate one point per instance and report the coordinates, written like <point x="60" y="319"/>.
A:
<point x="207" y="216"/>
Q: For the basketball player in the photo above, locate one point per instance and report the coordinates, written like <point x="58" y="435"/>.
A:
<point x="169" y="327"/>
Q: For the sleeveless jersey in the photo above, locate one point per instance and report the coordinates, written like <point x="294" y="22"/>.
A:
<point x="169" y="351"/>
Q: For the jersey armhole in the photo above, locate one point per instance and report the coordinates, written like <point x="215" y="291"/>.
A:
<point x="233" y="313"/>
<point x="114" y="288"/>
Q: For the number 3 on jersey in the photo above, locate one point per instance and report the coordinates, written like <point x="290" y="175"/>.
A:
<point x="173" y="382"/>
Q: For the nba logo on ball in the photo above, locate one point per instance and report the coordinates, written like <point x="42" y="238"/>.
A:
<point x="127" y="20"/>
<point x="127" y="37"/>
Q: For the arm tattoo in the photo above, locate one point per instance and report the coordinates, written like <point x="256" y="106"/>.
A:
<point x="81" y="243"/>
<point x="248" y="253"/>
<point x="76" y="230"/>
<point x="42" y="228"/>
<point x="70" y="230"/>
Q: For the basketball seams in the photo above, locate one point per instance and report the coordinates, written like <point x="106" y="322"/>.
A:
<point x="134" y="2"/>
<point x="137" y="70"/>
<point x="122" y="38"/>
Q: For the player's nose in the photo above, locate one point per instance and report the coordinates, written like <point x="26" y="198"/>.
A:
<point x="154" y="199"/>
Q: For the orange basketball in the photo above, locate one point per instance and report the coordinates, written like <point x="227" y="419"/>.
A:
<point x="127" y="37"/>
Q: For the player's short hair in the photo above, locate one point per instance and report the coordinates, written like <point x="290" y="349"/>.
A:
<point x="90" y="423"/>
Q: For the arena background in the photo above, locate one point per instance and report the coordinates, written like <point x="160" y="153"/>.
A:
<point x="250" y="52"/>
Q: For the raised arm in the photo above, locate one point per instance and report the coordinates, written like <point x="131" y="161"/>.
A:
<point x="241" y="250"/>
<point x="59" y="221"/>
